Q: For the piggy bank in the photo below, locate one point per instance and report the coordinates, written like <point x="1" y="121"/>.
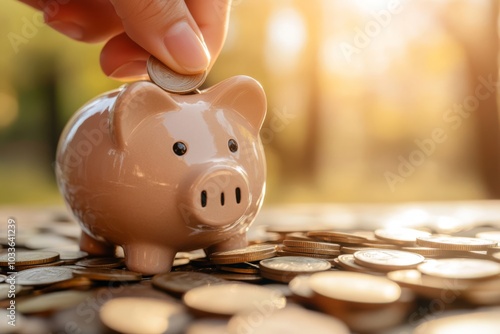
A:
<point x="158" y="173"/>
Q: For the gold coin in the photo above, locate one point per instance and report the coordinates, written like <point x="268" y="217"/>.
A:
<point x="318" y="251"/>
<point x="290" y="320"/>
<point x="248" y="254"/>
<point x="102" y="262"/>
<point x="455" y="243"/>
<point x="460" y="268"/>
<point x="171" y="81"/>
<point x="180" y="282"/>
<point x="387" y="259"/>
<point x="240" y="268"/>
<point x="338" y="237"/>
<point x="426" y="251"/>
<point x="311" y="244"/>
<point x="230" y="299"/>
<point x="49" y="264"/>
<point x="354" y="287"/>
<point x="43" y="276"/>
<point x="23" y="258"/>
<point x="351" y="249"/>
<point x="282" y="253"/>
<point x="100" y="274"/>
<point x="400" y="236"/>
<point x="346" y="261"/>
<point x="238" y="277"/>
<point x="143" y="315"/>
<point x="486" y="322"/>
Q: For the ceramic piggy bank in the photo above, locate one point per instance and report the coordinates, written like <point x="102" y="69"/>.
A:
<point x="158" y="173"/>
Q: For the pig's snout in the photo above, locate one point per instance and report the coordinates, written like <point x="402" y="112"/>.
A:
<point x="219" y="197"/>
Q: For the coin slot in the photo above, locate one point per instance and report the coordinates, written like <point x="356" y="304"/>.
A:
<point x="203" y="198"/>
<point x="222" y="199"/>
<point x="238" y="195"/>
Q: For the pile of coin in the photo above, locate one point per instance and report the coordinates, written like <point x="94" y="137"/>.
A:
<point x="354" y="280"/>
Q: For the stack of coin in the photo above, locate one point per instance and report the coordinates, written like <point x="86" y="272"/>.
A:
<point x="313" y="249"/>
<point x="285" y="268"/>
<point x="248" y="254"/>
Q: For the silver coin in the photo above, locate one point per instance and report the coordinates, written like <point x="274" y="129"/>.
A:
<point x="43" y="276"/>
<point x="171" y="81"/>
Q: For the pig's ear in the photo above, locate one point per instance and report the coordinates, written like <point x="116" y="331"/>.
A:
<point x="245" y="95"/>
<point x="134" y="103"/>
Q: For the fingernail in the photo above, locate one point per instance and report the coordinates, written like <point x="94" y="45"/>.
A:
<point x="186" y="48"/>
<point x="67" y="28"/>
<point x="131" y="70"/>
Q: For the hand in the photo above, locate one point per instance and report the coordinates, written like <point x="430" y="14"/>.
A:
<point x="185" y="35"/>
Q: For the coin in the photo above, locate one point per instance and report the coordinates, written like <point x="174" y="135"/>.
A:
<point x="455" y="243"/>
<point x="238" y="277"/>
<point x="472" y="322"/>
<point x="247" y="254"/>
<point x="311" y="244"/>
<point x="460" y="268"/>
<point x="230" y="299"/>
<point x="338" y="237"/>
<point x="241" y="268"/>
<point x="105" y="274"/>
<point x="51" y="302"/>
<point x="429" y="286"/>
<point x="346" y="261"/>
<point x="43" y="276"/>
<point x="354" y="287"/>
<point x="290" y="320"/>
<point x="29" y="257"/>
<point x="489" y="235"/>
<point x="180" y="282"/>
<point x="49" y="264"/>
<point x="282" y="253"/>
<point x="69" y="256"/>
<point x="400" y="236"/>
<point x="284" y="269"/>
<point x="144" y="315"/>
<point x="102" y="262"/>
<point x="426" y="251"/>
<point x="319" y="251"/>
<point x="297" y="264"/>
<point x="171" y="81"/>
<point x="387" y="259"/>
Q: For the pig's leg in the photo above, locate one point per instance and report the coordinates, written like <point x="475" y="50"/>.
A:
<point x="95" y="247"/>
<point x="235" y="242"/>
<point x="148" y="259"/>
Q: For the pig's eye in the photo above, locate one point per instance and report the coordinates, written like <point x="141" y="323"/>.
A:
<point x="179" y="148"/>
<point x="233" y="145"/>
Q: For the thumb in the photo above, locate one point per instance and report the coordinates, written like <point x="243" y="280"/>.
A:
<point x="166" y="29"/>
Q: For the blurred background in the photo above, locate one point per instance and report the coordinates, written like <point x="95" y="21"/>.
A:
<point x="369" y="100"/>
